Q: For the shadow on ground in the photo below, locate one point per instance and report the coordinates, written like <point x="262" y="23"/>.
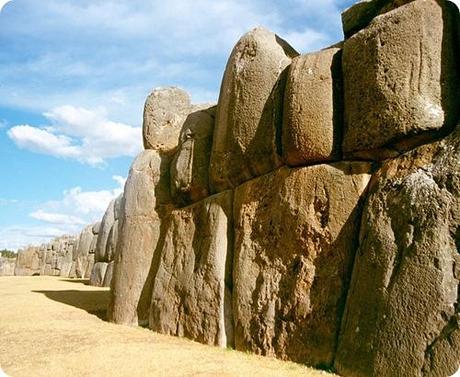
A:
<point x="93" y="302"/>
<point x="81" y="281"/>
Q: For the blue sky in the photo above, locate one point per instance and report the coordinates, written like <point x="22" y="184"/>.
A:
<point x="73" y="79"/>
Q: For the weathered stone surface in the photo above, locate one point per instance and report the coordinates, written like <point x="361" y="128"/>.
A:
<point x="164" y="113"/>
<point x="104" y="232"/>
<point x="295" y="240"/>
<point x="89" y="260"/>
<point x="146" y="189"/>
<point x="312" y="119"/>
<point x="360" y="15"/>
<point x="192" y="288"/>
<point x="96" y="227"/>
<point x="400" y="76"/>
<point x="190" y="166"/>
<point x="7" y="266"/>
<point x="82" y="251"/>
<point x="402" y="312"/>
<point x="28" y="262"/>
<point x="108" y="275"/>
<point x="249" y="113"/>
<point x="98" y="273"/>
<point x="112" y="241"/>
<point x="72" y="272"/>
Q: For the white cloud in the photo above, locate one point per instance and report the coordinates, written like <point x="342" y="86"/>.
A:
<point x="16" y="237"/>
<point x="90" y="205"/>
<point x="57" y="218"/>
<point x="80" y="134"/>
<point x="306" y="40"/>
<point x="111" y="53"/>
<point x="65" y="216"/>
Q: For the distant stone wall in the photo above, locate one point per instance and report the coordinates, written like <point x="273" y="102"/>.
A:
<point x="52" y="259"/>
<point x="7" y="266"/>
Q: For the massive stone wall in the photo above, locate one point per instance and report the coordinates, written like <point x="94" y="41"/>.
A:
<point x="312" y="215"/>
<point x="54" y="258"/>
<point x="7" y="266"/>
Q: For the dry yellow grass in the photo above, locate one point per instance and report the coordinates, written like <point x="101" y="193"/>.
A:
<point x="51" y="327"/>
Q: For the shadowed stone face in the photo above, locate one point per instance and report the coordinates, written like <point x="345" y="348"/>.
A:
<point x="312" y="118"/>
<point x="402" y="314"/>
<point x="192" y="288"/>
<point x="190" y="166"/>
<point x="295" y="239"/>
<point x="249" y="112"/>
<point x="400" y="76"/>
<point x="146" y="191"/>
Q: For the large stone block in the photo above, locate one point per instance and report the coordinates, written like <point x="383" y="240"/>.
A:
<point x="7" y="266"/>
<point x="28" y="262"/>
<point x="164" y="114"/>
<point x="402" y="313"/>
<point x="108" y="275"/>
<point x="98" y="274"/>
<point x="192" y="287"/>
<point x="360" y="15"/>
<point x="400" y="77"/>
<point x="112" y="241"/>
<point x="247" y="137"/>
<point x="146" y="191"/>
<point x="190" y="166"/>
<point x="295" y="240"/>
<point x="104" y="233"/>
<point x="312" y="119"/>
<point x="89" y="261"/>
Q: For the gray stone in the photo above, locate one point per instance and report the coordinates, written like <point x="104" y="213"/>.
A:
<point x="164" y="114"/>
<point x="108" y="275"/>
<point x="400" y="78"/>
<point x="104" y="232"/>
<point x="249" y="112"/>
<point x="190" y="166"/>
<point x="7" y="266"/>
<point x="146" y="190"/>
<point x="295" y="240"/>
<point x="192" y="288"/>
<point x="312" y="119"/>
<point x="98" y="274"/>
<point x="402" y="313"/>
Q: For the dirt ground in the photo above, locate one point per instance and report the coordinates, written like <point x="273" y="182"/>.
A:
<point x="55" y="327"/>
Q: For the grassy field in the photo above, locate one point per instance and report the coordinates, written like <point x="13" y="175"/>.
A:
<point x="54" y="327"/>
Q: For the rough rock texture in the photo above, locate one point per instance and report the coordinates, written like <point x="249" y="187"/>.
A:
<point x="146" y="189"/>
<point x="164" y="114"/>
<point x="359" y="15"/>
<point x="28" y="262"/>
<point x="98" y="274"/>
<point x="101" y="253"/>
<point x="108" y="275"/>
<point x="113" y="236"/>
<point x="54" y="258"/>
<point x="400" y="77"/>
<point x="7" y="266"/>
<point x="249" y="112"/>
<point x="89" y="266"/>
<point x="295" y="240"/>
<point x="403" y="310"/>
<point x="190" y="166"/>
<point x="192" y="288"/>
<point x="312" y="119"/>
<point x="82" y="251"/>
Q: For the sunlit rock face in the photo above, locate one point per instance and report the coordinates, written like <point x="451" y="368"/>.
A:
<point x="313" y="215"/>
